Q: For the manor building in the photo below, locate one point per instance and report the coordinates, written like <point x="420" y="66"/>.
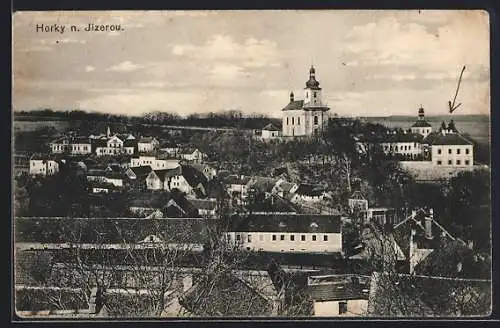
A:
<point x="305" y="117"/>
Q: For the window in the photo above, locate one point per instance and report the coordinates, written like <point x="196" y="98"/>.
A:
<point x="458" y="162"/>
<point x="439" y="151"/>
<point x="287" y="121"/>
<point x="342" y="307"/>
<point x="315" y="120"/>
<point x="282" y="237"/>
<point x="274" y="237"/>
<point x="325" y="238"/>
<point x="313" y="237"/>
<point x="467" y="151"/>
<point x="298" y="120"/>
<point x="449" y="162"/>
<point x="307" y="94"/>
<point x="261" y="237"/>
<point x="292" y="237"/>
<point x="438" y="162"/>
<point x="449" y="151"/>
<point x="458" y="151"/>
<point x="303" y="237"/>
<point x="314" y="94"/>
<point x="249" y="238"/>
<point x="238" y="237"/>
<point x="293" y="120"/>
<point x="467" y="162"/>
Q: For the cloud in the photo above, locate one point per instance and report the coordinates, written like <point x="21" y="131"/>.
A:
<point x="228" y="72"/>
<point x="89" y="68"/>
<point x="126" y="66"/>
<point x="251" y="53"/>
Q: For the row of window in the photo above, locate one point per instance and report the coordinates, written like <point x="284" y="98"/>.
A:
<point x="439" y="151"/>
<point x="458" y="162"/>
<point x="282" y="237"/>
<point x="315" y="119"/>
<point x="408" y="147"/>
<point x="74" y="147"/>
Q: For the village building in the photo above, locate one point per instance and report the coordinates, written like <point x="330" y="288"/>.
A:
<point x="205" y="207"/>
<point x="357" y="202"/>
<point x="114" y="144"/>
<point x="43" y="165"/>
<point x="147" y="144"/>
<point x="284" y="189"/>
<point x="183" y="178"/>
<point x="305" y="117"/>
<point x="191" y="154"/>
<point x="207" y="170"/>
<point x="71" y="145"/>
<point x="339" y="295"/>
<point x="102" y="176"/>
<point x="308" y="193"/>
<point x="449" y="148"/>
<point x="155" y="162"/>
<point x="288" y="233"/>
<point x="237" y="186"/>
<point x="269" y="132"/>
<point x="421" y="126"/>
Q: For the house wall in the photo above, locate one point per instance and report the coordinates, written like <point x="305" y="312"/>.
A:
<point x="359" y="204"/>
<point x="145" y="147"/>
<point x="423" y="131"/>
<point x="403" y="148"/>
<point x="115" y="182"/>
<point x="41" y="167"/>
<point x="294" y="123"/>
<point x="304" y="198"/>
<point x="331" y="308"/>
<point x="153" y="182"/>
<point x="264" y="241"/>
<point x="180" y="183"/>
<point x="266" y="134"/>
<point x="452" y="155"/>
<point x="241" y="189"/>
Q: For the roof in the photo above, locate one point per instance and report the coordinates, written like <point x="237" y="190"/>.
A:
<point x="439" y="139"/>
<point x="455" y="259"/>
<point x="203" y="204"/>
<point x="286" y="222"/>
<point x="225" y="295"/>
<point x="285" y="186"/>
<point x="100" y="142"/>
<point x="147" y="139"/>
<point x="421" y="124"/>
<point x="294" y="105"/>
<point x="148" y="199"/>
<point x="263" y="184"/>
<point x="273" y="204"/>
<point x="188" y="150"/>
<point x="173" y="172"/>
<point x="193" y="176"/>
<point x="130" y="143"/>
<point x="403" y="295"/>
<point x="96" y="172"/>
<point x="270" y="127"/>
<point x="41" y="157"/>
<point x="357" y="195"/>
<point x="114" y="168"/>
<point x="392" y="137"/>
<point x="338" y="287"/>
<point x="29" y="298"/>
<point x="141" y="171"/>
<point x="309" y="190"/>
<point x="237" y="179"/>
<point x="161" y="174"/>
<point x="110" y="230"/>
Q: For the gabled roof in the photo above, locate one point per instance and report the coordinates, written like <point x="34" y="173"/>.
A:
<point x="263" y="184"/>
<point x="141" y="171"/>
<point x="270" y="127"/>
<point x="439" y="139"/>
<point x="287" y="222"/>
<point x="100" y="143"/>
<point x="130" y="143"/>
<point x="357" y="195"/>
<point x="285" y="186"/>
<point x="307" y="189"/>
<point x="41" y="157"/>
<point x="294" y="105"/>
<point x="338" y="287"/>
<point x="225" y="295"/>
<point x="193" y="176"/>
<point x="403" y="295"/>
<point x="161" y="174"/>
<point x="173" y="172"/>
<point x="147" y="140"/>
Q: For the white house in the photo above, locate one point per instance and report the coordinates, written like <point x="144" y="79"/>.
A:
<point x="42" y="165"/>
<point x="205" y="207"/>
<point x="450" y="149"/>
<point x="71" y="145"/>
<point x="288" y="233"/>
<point x="237" y="186"/>
<point x="110" y="145"/>
<point x="147" y="144"/>
<point x="156" y="180"/>
<point x="357" y="201"/>
<point x="208" y="171"/>
<point x="155" y="163"/>
<point x="101" y="176"/>
<point x="192" y="155"/>
<point x="305" y="117"/>
<point x="344" y="295"/>
<point x="269" y="132"/>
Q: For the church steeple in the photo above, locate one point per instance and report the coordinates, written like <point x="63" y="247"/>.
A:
<point x="312" y="83"/>
<point x="421" y="115"/>
<point x="291" y="96"/>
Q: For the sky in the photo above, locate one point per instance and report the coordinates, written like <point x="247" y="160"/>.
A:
<point x="369" y="63"/>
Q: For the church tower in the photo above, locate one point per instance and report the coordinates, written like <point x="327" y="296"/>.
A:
<point x="312" y="91"/>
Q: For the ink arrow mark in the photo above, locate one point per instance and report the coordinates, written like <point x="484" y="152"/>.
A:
<point x="451" y="105"/>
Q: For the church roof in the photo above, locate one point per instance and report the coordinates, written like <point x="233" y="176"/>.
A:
<point x="294" y="105"/>
<point x="421" y="124"/>
<point x="270" y="127"/>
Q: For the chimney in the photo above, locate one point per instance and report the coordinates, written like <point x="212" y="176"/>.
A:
<point x="428" y="224"/>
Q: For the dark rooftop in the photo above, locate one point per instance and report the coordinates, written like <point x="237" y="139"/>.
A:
<point x="286" y="222"/>
<point x="338" y="287"/>
<point x="437" y="138"/>
<point x="294" y="105"/>
<point x="309" y="190"/>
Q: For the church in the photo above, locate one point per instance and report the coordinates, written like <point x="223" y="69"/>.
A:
<point x="305" y="117"/>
